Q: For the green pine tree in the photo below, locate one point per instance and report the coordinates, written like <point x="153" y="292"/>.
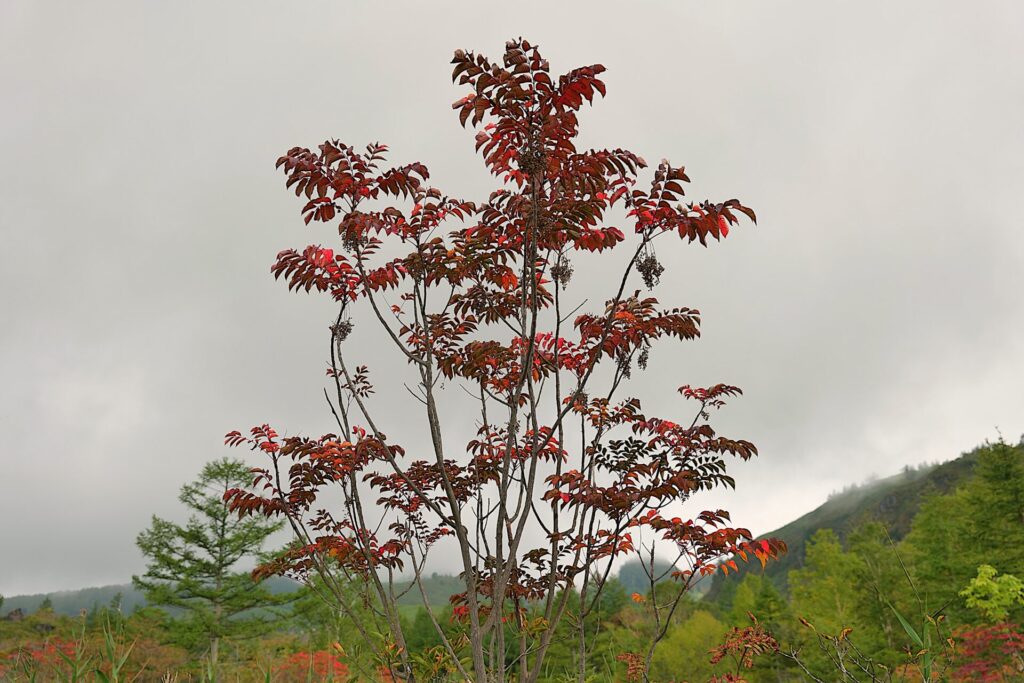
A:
<point x="995" y="500"/>
<point x="195" y="568"/>
<point x="981" y="523"/>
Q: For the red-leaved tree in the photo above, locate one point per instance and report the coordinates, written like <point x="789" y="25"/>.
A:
<point x="566" y="473"/>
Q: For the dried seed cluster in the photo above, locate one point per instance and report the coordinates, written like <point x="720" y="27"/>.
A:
<point x="342" y="329"/>
<point x="650" y="269"/>
<point x="561" y="272"/>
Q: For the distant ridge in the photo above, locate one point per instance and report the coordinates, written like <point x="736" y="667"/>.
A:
<point x="72" y="602"/>
<point x="892" y="501"/>
<point x="119" y="596"/>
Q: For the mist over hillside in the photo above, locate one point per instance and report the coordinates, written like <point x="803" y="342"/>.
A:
<point x="893" y="501"/>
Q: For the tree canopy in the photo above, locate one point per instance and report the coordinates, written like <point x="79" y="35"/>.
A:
<point x="201" y="568"/>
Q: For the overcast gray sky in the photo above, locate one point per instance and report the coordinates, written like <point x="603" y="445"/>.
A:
<point x="874" y="317"/>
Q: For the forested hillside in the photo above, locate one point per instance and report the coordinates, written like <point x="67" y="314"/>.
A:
<point x="892" y="501"/>
<point x="915" y="573"/>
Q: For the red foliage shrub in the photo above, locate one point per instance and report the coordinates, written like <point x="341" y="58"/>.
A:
<point x="993" y="653"/>
<point x="324" y="666"/>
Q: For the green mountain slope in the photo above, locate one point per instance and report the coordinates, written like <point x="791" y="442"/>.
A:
<point x="893" y="501"/>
